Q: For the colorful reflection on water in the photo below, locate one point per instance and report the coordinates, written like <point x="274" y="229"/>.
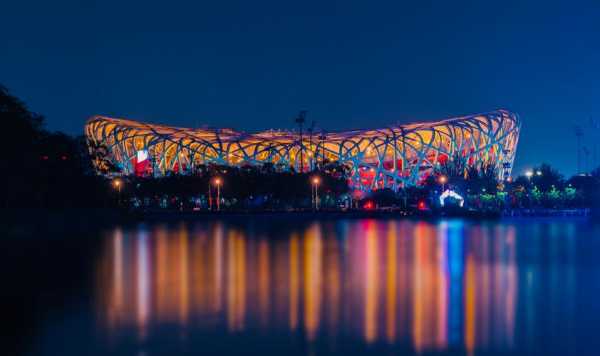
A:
<point x="418" y="286"/>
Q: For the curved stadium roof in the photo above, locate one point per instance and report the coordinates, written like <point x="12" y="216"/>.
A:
<point x="388" y="157"/>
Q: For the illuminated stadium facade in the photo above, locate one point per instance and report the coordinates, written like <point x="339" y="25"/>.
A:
<point x="392" y="157"/>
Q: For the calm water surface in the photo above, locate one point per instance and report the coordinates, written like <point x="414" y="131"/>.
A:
<point x="292" y="286"/>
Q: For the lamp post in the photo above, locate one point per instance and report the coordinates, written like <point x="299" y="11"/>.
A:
<point x="218" y="184"/>
<point x="529" y="174"/>
<point x="442" y="180"/>
<point x="315" y="191"/>
<point x="117" y="183"/>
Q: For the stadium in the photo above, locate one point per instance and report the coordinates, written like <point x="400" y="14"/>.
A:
<point x="393" y="157"/>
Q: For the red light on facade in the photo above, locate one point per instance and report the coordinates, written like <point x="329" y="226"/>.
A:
<point x="45" y="158"/>
<point x="64" y="158"/>
<point x="385" y="152"/>
<point x="421" y="205"/>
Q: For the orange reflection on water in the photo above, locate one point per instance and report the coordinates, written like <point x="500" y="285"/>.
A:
<point x="442" y="290"/>
<point x="236" y="281"/>
<point x="371" y="284"/>
<point x="218" y="268"/>
<point x="470" y="307"/>
<point x="312" y="281"/>
<point x="431" y="287"/>
<point x="430" y="303"/>
<point x="390" y="285"/>
<point x="294" y="281"/>
<point x="263" y="281"/>
<point x="183" y="276"/>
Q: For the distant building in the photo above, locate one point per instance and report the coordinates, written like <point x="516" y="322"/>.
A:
<point x="392" y="157"/>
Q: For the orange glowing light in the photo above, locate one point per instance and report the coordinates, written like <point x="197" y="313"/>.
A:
<point x="371" y="286"/>
<point x="177" y="150"/>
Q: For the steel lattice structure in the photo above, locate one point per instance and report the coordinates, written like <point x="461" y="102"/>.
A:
<point x="393" y="157"/>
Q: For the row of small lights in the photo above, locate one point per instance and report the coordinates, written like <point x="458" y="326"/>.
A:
<point x="316" y="180"/>
<point x="217" y="181"/>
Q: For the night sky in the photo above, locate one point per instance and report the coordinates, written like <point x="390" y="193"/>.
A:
<point x="252" y="65"/>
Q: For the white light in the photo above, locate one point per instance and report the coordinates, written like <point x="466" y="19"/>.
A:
<point x="142" y="155"/>
<point x="451" y="194"/>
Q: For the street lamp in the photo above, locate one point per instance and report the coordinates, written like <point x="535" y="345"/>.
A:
<point x="538" y="173"/>
<point x="217" y="182"/>
<point x="443" y="180"/>
<point x="529" y="174"/>
<point x="117" y="183"/>
<point x="315" y="191"/>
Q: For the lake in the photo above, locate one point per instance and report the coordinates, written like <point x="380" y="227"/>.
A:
<point x="273" y="285"/>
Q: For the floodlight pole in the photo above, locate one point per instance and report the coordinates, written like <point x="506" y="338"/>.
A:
<point x="322" y="137"/>
<point x="300" y="121"/>
<point x="310" y="135"/>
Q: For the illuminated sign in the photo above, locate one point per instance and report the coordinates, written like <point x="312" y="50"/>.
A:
<point x="451" y="194"/>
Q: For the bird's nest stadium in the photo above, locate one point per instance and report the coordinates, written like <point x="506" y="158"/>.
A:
<point x="392" y="157"/>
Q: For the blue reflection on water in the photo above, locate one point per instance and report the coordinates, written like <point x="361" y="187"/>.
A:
<point x="453" y="230"/>
<point x="339" y="287"/>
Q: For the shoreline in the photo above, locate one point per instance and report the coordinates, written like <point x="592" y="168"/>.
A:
<point x="25" y="221"/>
<point x="360" y="214"/>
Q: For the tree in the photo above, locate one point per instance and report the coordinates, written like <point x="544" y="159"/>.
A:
<point x="454" y="168"/>
<point x="99" y="158"/>
<point x="545" y="177"/>
<point x="385" y="197"/>
<point x="587" y="188"/>
<point x="44" y="169"/>
<point x="482" y="178"/>
<point x="21" y="154"/>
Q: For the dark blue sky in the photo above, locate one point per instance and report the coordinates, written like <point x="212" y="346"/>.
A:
<point x="353" y="64"/>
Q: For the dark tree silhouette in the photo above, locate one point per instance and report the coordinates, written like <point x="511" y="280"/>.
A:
<point x="44" y="169"/>
<point x="546" y="177"/>
<point x="21" y="151"/>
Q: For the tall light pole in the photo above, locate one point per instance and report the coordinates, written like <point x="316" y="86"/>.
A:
<point x="218" y="184"/>
<point x="322" y="137"/>
<point x="443" y="180"/>
<point x="300" y="121"/>
<point x="315" y="191"/>
<point x="579" y="136"/>
<point x="311" y="129"/>
<point x="117" y="183"/>
<point x="529" y="174"/>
